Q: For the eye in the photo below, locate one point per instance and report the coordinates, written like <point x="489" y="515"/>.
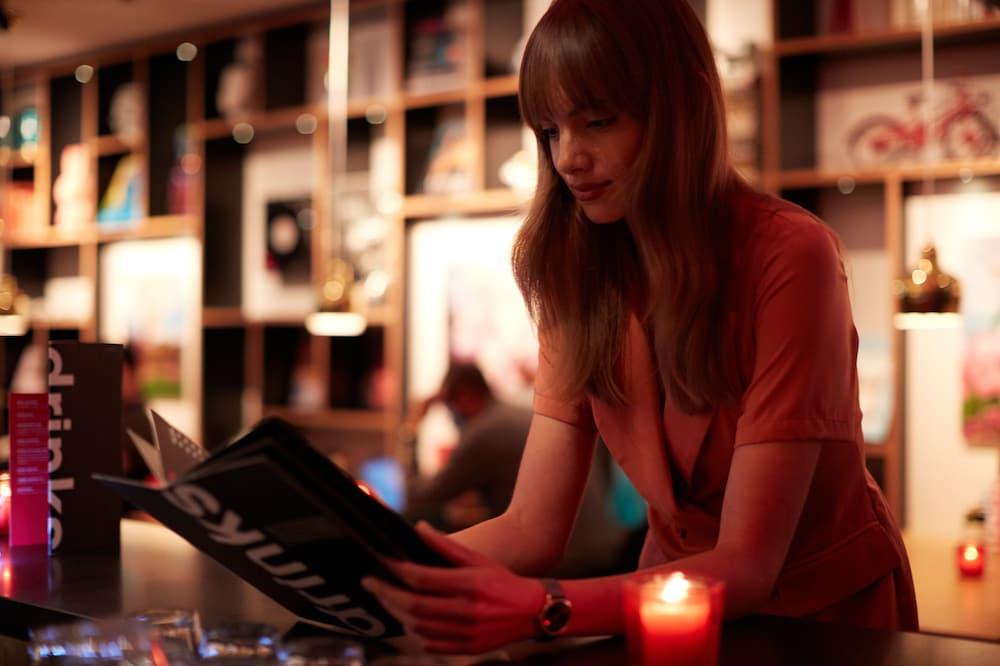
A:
<point x="599" y="123"/>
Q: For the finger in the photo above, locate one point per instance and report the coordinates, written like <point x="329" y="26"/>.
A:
<point x="435" y="580"/>
<point x="418" y="607"/>
<point x="449" y="547"/>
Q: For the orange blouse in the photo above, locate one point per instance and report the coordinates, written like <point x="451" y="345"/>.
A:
<point x="790" y="315"/>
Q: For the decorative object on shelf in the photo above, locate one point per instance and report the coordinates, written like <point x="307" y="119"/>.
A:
<point x="520" y="172"/>
<point x="19" y="208"/>
<point x="451" y="156"/>
<point x="506" y="30"/>
<point x="927" y="288"/>
<point x="13" y="307"/>
<point x="72" y="191"/>
<point x="67" y="299"/>
<point x="370" y="72"/>
<point x="336" y="315"/>
<point x="365" y="237"/>
<point x="183" y="176"/>
<point x="288" y="232"/>
<point x="909" y="14"/>
<point x="971" y="551"/>
<point x="238" y="81"/>
<point x="126" y="115"/>
<point x="121" y="203"/>
<point x="739" y="73"/>
<point x="27" y="129"/>
<point x="436" y="50"/>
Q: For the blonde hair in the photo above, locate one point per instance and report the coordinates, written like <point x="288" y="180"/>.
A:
<point x="650" y="59"/>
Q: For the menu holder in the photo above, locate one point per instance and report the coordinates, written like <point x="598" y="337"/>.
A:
<point x="281" y="516"/>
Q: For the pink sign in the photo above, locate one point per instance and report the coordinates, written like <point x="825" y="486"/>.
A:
<point x="29" y="468"/>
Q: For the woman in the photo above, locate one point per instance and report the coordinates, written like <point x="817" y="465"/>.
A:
<point x="702" y="328"/>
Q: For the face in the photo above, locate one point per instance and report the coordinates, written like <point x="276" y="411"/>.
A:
<point x="593" y="151"/>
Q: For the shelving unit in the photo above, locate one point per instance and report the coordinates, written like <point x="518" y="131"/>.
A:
<point x="248" y="359"/>
<point x="865" y="206"/>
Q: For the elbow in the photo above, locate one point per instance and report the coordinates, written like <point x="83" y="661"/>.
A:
<point x="751" y="585"/>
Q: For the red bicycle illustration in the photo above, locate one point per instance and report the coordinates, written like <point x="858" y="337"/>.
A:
<point x="963" y="130"/>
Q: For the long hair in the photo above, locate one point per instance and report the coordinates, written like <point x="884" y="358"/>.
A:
<point x="669" y="258"/>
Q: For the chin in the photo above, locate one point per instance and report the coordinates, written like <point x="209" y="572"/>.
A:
<point x="602" y="216"/>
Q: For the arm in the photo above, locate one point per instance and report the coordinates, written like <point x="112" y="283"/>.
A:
<point x="544" y="505"/>
<point x="481" y="605"/>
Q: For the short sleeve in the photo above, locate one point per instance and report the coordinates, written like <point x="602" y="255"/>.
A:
<point x="549" y="402"/>
<point x="804" y="380"/>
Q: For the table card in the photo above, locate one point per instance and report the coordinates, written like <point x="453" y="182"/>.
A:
<point x="29" y="469"/>
<point x="85" y="437"/>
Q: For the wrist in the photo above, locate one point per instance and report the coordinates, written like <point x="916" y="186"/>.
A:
<point x="554" y="612"/>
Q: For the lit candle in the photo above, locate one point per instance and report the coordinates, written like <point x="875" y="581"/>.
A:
<point x="673" y="619"/>
<point x="971" y="559"/>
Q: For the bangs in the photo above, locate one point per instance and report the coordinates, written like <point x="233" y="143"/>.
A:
<point x="572" y="62"/>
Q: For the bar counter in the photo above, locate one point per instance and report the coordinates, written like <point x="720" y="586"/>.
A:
<point x="158" y="569"/>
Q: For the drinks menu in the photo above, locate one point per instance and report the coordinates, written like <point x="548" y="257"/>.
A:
<point x="29" y="468"/>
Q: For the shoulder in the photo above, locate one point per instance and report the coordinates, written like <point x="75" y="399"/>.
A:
<point x="776" y="236"/>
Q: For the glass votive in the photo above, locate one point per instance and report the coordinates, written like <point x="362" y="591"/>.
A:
<point x="971" y="556"/>
<point x="179" y="632"/>
<point x="673" y="619"/>
<point x="119" y="641"/>
<point x="323" y="651"/>
<point x="413" y="660"/>
<point x="241" y="644"/>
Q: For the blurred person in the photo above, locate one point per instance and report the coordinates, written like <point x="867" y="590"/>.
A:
<point x="477" y="480"/>
<point x="702" y="328"/>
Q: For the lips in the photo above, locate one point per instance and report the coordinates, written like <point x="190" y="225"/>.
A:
<point x="585" y="192"/>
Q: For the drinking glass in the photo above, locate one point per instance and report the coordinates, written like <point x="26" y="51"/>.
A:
<point x="323" y="651"/>
<point x="241" y="644"/>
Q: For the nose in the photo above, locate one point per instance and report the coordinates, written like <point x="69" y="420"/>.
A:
<point x="572" y="155"/>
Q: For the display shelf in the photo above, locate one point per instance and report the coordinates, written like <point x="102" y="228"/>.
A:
<point x="219" y="317"/>
<point x="263" y="121"/>
<point x="160" y="226"/>
<point x="498" y="86"/>
<point x="108" y="145"/>
<point x="48" y="236"/>
<point x="17" y="159"/>
<point x="801" y="178"/>
<point x="499" y="200"/>
<point x="439" y="98"/>
<point x="331" y="419"/>
<point x="988" y="28"/>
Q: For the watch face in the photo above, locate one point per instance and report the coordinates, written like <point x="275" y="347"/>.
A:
<point x="556" y="616"/>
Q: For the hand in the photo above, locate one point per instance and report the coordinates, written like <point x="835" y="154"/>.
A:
<point x="478" y="606"/>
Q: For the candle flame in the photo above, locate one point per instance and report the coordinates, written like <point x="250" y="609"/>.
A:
<point x="675" y="589"/>
<point x="970" y="554"/>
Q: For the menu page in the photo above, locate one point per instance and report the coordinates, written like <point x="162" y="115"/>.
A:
<point x="29" y="468"/>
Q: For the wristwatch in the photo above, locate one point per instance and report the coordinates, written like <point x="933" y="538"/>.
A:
<point x="555" y="613"/>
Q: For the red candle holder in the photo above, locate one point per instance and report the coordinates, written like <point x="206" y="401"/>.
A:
<point x="971" y="559"/>
<point x="673" y="618"/>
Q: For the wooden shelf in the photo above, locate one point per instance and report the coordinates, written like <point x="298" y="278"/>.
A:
<point x="45" y="237"/>
<point x="480" y="203"/>
<point x="222" y="317"/>
<point x="109" y="145"/>
<point x="42" y="324"/>
<point x="877" y="450"/>
<point x="16" y="160"/>
<point x="358" y="108"/>
<point x="882" y="39"/>
<point x="261" y="121"/>
<point x="499" y="86"/>
<point x="331" y="419"/>
<point x="442" y="98"/>
<point x="160" y="226"/>
<point x="806" y="178"/>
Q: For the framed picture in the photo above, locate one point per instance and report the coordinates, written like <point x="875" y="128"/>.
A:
<point x="462" y="303"/>
<point x="151" y="299"/>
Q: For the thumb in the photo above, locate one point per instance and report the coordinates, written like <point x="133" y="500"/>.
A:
<point x="453" y="551"/>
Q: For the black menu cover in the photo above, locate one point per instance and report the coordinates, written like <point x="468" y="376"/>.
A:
<point x="287" y="520"/>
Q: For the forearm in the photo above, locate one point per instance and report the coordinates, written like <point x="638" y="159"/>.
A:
<point x="598" y="607"/>
<point x="508" y="541"/>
